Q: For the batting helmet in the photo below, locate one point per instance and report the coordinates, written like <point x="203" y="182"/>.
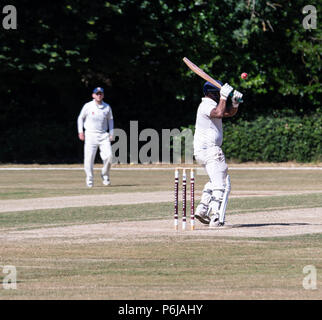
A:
<point x="209" y="87"/>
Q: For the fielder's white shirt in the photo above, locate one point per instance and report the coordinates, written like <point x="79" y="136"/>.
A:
<point x="208" y="131"/>
<point x="95" y="118"/>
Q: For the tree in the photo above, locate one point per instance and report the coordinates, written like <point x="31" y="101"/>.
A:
<point x="134" y="48"/>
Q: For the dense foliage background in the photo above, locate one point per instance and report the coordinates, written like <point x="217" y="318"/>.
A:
<point x="61" y="50"/>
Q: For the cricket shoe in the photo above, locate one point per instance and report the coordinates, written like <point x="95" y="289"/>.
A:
<point x="201" y="214"/>
<point x="214" y="221"/>
<point x="105" y="180"/>
<point x="89" y="184"/>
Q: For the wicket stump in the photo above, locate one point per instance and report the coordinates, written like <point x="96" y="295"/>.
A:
<point x="184" y="199"/>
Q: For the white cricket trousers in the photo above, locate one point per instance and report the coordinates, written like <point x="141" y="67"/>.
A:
<point x="213" y="160"/>
<point x="93" y="141"/>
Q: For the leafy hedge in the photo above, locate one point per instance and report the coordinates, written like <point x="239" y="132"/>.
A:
<point x="269" y="139"/>
<point x="41" y="143"/>
<point x="274" y="139"/>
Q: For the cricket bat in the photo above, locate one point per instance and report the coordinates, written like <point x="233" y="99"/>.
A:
<point x="203" y="74"/>
<point x="200" y="72"/>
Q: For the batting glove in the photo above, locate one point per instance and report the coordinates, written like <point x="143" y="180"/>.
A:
<point x="225" y="90"/>
<point x="237" y="98"/>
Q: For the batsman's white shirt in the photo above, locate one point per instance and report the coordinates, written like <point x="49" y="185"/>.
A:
<point x="208" y="131"/>
<point x="207" y="144"/>
<point x="95" y="118"/>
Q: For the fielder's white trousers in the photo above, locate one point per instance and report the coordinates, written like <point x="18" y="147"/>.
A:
<point x="93" y="141"/>
<point x="213" y="160"/>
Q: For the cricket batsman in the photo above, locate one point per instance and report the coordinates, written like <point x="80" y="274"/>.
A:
<point x="207" y="151"/>
<point x="97" y="119"/>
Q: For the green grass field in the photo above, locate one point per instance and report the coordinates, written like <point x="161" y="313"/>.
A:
<point x="37" y="184"/>
<point x="57" y="262"/>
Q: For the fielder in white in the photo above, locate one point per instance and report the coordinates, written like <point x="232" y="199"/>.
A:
<point x="96" y="117"/>
<point x="207" y="151"/>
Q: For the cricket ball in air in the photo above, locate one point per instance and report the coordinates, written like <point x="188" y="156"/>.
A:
<point x="244" y="75"/>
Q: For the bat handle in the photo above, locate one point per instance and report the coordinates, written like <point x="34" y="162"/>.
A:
<point x="239" y="100"/>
